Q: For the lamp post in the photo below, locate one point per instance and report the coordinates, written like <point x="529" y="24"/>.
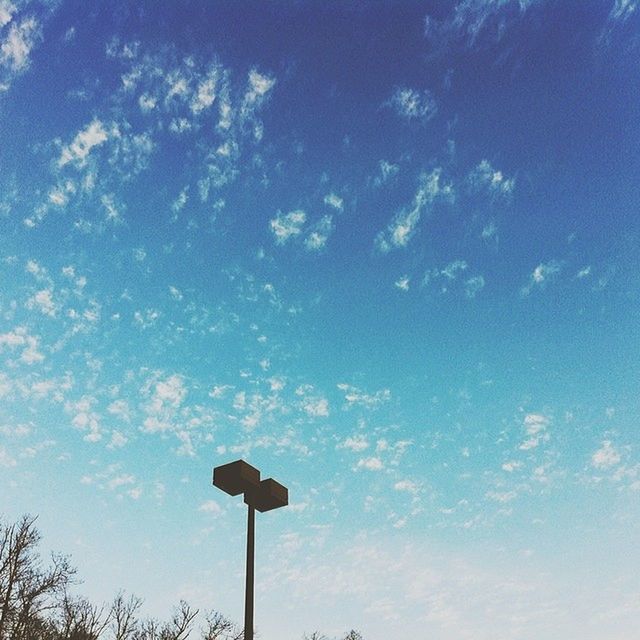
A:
<point x="239" y="477"/>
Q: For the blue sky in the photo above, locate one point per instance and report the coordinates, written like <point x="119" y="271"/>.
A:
<point x="388" y="253"/>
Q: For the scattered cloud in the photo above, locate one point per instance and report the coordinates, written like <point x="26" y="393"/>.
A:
<point x="334" y="201"/>
<point x="354" y="443"/>
<point x="605" y="457"/>
<point x="19" y="337"/>
<point x="542" y="274"/>
<point x="210" y="506"/>
<point x="403" y="225"/>
<point x="386" y="171"/>
<point x="18" y="37"/>
<point x="93" y="135"/>
<point x="316" y="407"/>
<point x="319" y="234"/>
<point x="371" y="464"/>
<point x="535" y="426"/>
<point x="485" y="176"/>
<point x="285" y="227"/>
<point x="474" y="24"/>
<point x="412" y="105"/>
<point x="473" y="285"/>
<point x="354" y="396"/>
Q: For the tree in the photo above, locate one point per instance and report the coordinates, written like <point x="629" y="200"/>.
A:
<point x="27" y="589"/>
<point x="124" y="622"/>
<point x="81" y="620"/>
<point x="217" y="627"/>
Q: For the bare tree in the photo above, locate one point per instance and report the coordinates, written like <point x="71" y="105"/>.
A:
<point x="124" y="621"/>
<point x="316" y="635"/>
<point x="179" y="628"/>
<point x="181" y="623"/>
<point x="353" y="635"/>
<point x="217" y="627"/>
<point x="26" y="588"/>
<point x="81" y="620"/>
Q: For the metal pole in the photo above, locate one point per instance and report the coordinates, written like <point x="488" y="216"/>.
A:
<point x="248" y="593"/>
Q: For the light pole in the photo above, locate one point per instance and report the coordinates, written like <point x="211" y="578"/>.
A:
<point x="240" y="477"/>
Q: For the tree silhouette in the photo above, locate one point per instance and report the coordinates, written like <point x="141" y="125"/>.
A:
<point x="27" y="589"/>
<point x="35" y="603"/>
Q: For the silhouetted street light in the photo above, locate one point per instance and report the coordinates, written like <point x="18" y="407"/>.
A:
<point x="240" y="477"/>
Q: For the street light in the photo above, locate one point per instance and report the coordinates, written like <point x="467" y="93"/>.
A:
<point x="239" y="477"/>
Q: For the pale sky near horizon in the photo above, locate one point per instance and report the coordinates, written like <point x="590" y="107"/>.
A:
<point x="388" y="253"/>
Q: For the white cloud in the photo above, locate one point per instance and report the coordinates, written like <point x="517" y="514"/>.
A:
<point x="473" y="285"/>
<point x="120" y="408"/>
<point x="259" y="86"/>
<point x="43" y="301"/>
<point x="166" y="397"/>
<point x="171" y="391"/>
<point x="121" y="480"/>
<point x="147" y="102"/>
<point x="485" y="176"/>
<point x="16" y="47"/>
<point x="206" y="92"/>
<point x="354" y="443"/>
<point x="541" y="275"/>
<point x="371" y="464"/>
<point x="288" y="226"/>
<point x="175" y="293"/>
<point x="19" y="337"/>
<point x="258" y="90"/>
<point x="7" y="9"/>
<point x="319" y="234"/>
<point x="410" y="104"/>
<point x="6" y="460"/>
<point x="316" y="407"/>
<point x="335" y="201"/>
<point x="406" y="485"/>
<point x="402" y="228"/>
<point x="93" y="135"/>
<point x="354" y="396"/>
<point x="489" y="231"/>
<point x="112" y="210"/>
<point x="501" y="496"/>
<point x="453" y="268"/>
<point x="402" y="283"/>
<point x="387" y="171"/>
<point x="118" y="440"/>
<point x="535" y="425"/>
<point x="474" y="23"/>
<point x="210" y="506"/>
<point x="605" y="457"/>
<point x="511" y="466"/>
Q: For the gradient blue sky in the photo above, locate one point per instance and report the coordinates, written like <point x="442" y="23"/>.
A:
<point x="389" y="253"/>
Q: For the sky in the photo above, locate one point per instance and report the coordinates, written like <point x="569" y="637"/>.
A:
<point x="388" y="253"/>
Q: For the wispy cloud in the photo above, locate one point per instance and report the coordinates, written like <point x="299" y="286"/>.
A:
<point x="606" y="456"/>
<point x="354" y="396"/>
<point x="386" y="171"/>
<point x="541" y="276"/>
<point x="412" y="105"/>
<point x="485" y="176"/>
<point x="284" y="227"/>
<point x="535" y="426"/>
<point x="19" y="34"/>
<point x="403" y="225"/>
<point x="93" y="135"/>
<point x="475" y="23"/>
<point x="319" y="234"/>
